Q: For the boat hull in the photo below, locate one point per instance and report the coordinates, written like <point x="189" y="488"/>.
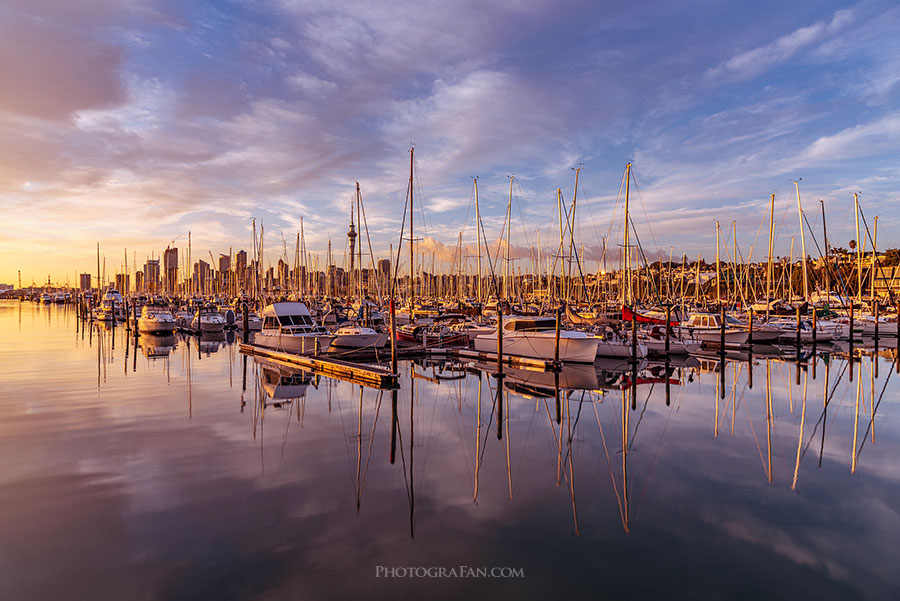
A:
<point x="576" y="350"/>
<point x="618" y="348"/>
<point x="350" y="341"/>
<point x="301" y="344"/>
<point x="155" y="326"/>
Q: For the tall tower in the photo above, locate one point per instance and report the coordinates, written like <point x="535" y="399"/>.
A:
<point x="352" y="236"/>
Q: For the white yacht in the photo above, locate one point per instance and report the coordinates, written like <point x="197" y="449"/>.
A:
<point x="707" y="327"/>
<point x="112" y="306"/>
<point x="612" y="344"/>
<point x="536" y="337"/>
<point x="289" y="327"/>
<point x="472" y="329"/>
<point x="355" y="336"/>
<point x="207" y="319"/>
<point x="156" y="320"/>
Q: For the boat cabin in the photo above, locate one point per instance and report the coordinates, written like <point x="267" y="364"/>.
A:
<point x="708" y="321"/>
<point x="288" y="318"/>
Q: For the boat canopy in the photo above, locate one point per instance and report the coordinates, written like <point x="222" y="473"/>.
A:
<point x="285" y="310"/>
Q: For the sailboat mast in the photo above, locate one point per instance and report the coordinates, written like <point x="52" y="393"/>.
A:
<point x="858" y="249"/>
<point x="627" y="293"/>
<point x="572" y="236"/>
<point x="359" y="263"/>
<point x="874" y="262"/>
<point x="802" y="243"/>
<point x="412" y="257"/>
<point x="562" y="270"/>
<point x="771" y="267"/>
<point x="508" y="229"/>
<point x="718" y="269"/>
<point x="477" y="242"/>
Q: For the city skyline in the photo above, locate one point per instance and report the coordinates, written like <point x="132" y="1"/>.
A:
<point x="131" y="124"/>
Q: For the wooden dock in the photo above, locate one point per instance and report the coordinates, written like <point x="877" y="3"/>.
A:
<point x="366" y="375"/>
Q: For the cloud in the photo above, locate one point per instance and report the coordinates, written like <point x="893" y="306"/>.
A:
<point x="50" y="73"/>
<point x="751" y="63"/>
<point x="864" y="140"/>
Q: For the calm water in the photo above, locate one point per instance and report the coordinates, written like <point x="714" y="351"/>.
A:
<point x="170" y="471"/>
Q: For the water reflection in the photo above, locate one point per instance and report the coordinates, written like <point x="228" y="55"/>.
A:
<point x="586" y="476"/>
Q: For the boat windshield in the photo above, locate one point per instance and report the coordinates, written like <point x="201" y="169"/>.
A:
<point x="295" y="320"/>
<point x="530" y="325"/>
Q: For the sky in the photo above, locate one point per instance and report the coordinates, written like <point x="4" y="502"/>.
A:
<point x="133" y="122"/>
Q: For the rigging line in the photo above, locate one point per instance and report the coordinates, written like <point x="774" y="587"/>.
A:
<point x="824" y="410"/>
<point x="574" y="424"/>
<point x="346" y="441"/>
<point x="875" y="253"/>
<point x="371" y="442"/>
<point x="616" y="207"/>
<point x="758" y="232"/>
<point x="874" y="410"/>
<point x="640" y="417"/>
<point x="403" y="458"/>
<point x="646" y="264"/>
<point x="756" y="438"/>
<point x="612" y="477"/>
<point x="488" y="427"/>
<point x="643" y="209"/>
<point x="653" y="463"/>
<point x="400" y="245"/>
<point x="525" y="448"/>
<point x="574" y="247"/>
<point x="828" y="267"/>
<point x="487" y="247"/>
<point x="552" y="427"/>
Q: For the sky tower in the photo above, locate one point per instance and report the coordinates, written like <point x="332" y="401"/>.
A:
<point x="351" y="235"/>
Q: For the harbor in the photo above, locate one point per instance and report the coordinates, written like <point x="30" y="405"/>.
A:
<point x="449" y="300"/>
<point x="180" y="449"/>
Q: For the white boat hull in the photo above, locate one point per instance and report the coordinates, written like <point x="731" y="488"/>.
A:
<point x="155" y="326"/>
<point x="360" y="340"/>
<point x="304" y="344"/>
<point x="733" y="336"/>
<point x="676" y="347"/>
<point x="618" y="348"/>
<point x="539" y="345"/>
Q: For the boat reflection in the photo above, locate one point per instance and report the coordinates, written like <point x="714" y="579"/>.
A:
<point x="281" y="383"/>
<point x="156" y="346"/>
<point x="210" y="342"/>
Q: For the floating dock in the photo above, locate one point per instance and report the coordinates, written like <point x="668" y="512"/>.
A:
<point x="366" y="375"/>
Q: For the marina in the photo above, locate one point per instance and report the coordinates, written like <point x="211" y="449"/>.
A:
<point x="183" y="451"/>
<point x="449" y="300"/>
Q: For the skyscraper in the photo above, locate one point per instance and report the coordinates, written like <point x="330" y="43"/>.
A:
<point x="170" y="267"/>
<point x="151" y="275"/>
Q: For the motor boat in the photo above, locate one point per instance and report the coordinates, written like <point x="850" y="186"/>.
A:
<point x="112" y="306"/>
<point x="207" y="319"/>
<point x="536" y="337"/>
<point x="156" y="320"/>
<point x="289" y="327"/>
<point x="655" y="339"/>
<point x="357" y="337"/>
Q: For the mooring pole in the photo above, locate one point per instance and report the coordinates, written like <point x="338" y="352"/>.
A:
<point x="245" y="317"/>
<point x="499" y="343"/>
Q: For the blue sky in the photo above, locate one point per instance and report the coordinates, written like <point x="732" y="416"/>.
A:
<point x="132" y="123"/>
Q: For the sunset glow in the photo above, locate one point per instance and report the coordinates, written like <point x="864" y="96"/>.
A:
<point x="133" y="123"/>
